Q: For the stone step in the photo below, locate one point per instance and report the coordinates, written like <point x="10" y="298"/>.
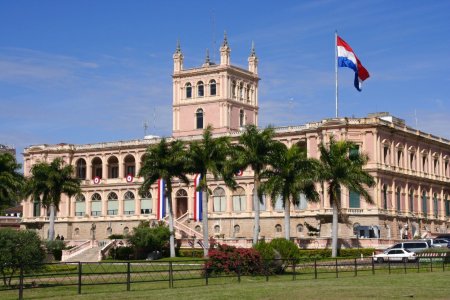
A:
<point x="88" y="255"/>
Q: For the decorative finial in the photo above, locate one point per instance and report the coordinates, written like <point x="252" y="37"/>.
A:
<point x="225" y="40"/>
<point x="253" y="53"/>
<point x="207" y="61"/>
<point x="178" y="47"/>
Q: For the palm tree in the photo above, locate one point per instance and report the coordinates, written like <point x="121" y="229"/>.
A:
<point x="11" y="181"/>
<point x="256" y="149"/>
<point x="48" y="182"/>
<point x="210" y="155"/>
<point x="293" y="174"/>
<point x="342" y="165"/>
<point x="165" y="161"/>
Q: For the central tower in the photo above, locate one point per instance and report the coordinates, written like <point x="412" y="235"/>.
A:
<point x="223" y="95"/>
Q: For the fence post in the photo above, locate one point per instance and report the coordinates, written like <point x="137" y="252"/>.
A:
<point x="80" y="272"/>
<point x="315" y="268"/>
<point x="170" y="275"/>
<point x="389" y="265"/>
<point x="356" y="268"/>
<point x="266" y="266"/>
<point x="373" y="266"/>
<point x="21" y="283"/>
<point x="337" y="272"/>
<point x="418" y="265"/>
<point x="128" y="276"/>
<point x="431" y="263"/>
<point x="404" y="264"/>
<point x="206" y="275"/>
<point x="293" y="269"/>
<point x="443" y="261"/>
<point x="239" y="273"/>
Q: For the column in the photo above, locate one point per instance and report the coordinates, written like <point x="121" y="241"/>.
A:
<point x="104" y="168"/>
<point x="88" y="168"/>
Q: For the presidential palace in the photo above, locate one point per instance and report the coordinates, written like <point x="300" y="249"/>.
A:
<point x="411" y="169"/>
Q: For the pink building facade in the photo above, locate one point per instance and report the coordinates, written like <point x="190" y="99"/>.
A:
<point x="411" y="169"/>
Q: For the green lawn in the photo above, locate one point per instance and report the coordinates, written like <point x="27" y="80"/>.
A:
<point x="424" y="285"/>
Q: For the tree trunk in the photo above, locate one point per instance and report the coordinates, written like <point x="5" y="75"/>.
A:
<point x="171" y="228"/>
<point x="287" y="219"/>
<point x="256" y="207"/>
<point x="51" y="227"/>
<point x="205" y="222"/>
<point x="334" y="229"/>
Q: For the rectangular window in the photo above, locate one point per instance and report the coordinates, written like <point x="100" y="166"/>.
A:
<point x="447" y="208"/>
<point x="424" y="164"/>
<point x="302" y="203"/>
<point x="399" y="158"/>
<point x="398" y="199"/>
<point x="146" y="206"/>
<point x="424" y="204"/>
<point x="435" y="206"/>
<point x="386" y="154"/>
<point x="80" y="208"/>
<point x="96" y="208"/>
<point x="219" y="203"/>
<point x="412" y="161"/>
<point x="354" y="152"/>
<point x="114" y="172"/>
<point x="354" y="199"/>
<point x="411" y="201"/>
<point x="131" y="170"/>
<point x="36" y="209"/>
<point x="279" y="204"/>
<point x="239" y="203"/>
<point x="128" y="207"/>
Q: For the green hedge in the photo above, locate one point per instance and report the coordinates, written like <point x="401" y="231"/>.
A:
<point x="191" y="253"/>
<point x="326" y="253"/>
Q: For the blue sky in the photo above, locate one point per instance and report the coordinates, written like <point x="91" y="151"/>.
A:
<point x="94" y="71"/>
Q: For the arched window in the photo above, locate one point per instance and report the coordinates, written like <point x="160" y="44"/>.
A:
<point x="76" y="232"/>
<point x="248" y="92"/>
<point x="113" y="204"/>
<point x="301" y="202"/>
<point x="435" y="205"/>
<point x="424" y="203"/>
<point x="212" y="87"/>
<point x="279" y="205"/>
<point x="128" y="203"/>
<point x="200" y="89"/>
<point x="278" y="228"/>
<point x="398" y="199"/>
<point x="299" y="228"/>
<point x="146" y="203"/>
<point x="113" y="167"/>
<point x="411" y="200"/>
<point x="239" y="200"/>
<point x="108" y="231"/>
<point x="236" y="229"/>
<point x="188" y="90"/>
<point x="36" y="208"/>
<point x="80" y="206"/>
<point x="385" y="198"/>
<point x="198" y="228"/>
<point x="97" y="167"/>
<point x="126" y="230"/>
<point x="241" y="118"/>
<point x="219" y="199"/>
<point x="130" y="165"/>
<point x="241" y="91"/>
<point x="96" y="204"/>
<point x="233" y="89"/>
<point x="81" y="168"/>
<point x="199" y="118"/>
<point x="216" y="229"/>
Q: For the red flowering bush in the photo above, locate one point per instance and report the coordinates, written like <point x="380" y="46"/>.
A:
<point x="229" y="259"/>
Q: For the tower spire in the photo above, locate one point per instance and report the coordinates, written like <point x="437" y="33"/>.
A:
<point x="253" y="60"/>
<point x="178" y="59"/>
<point x="207" y="60"/>
<point x="225" y="51"/>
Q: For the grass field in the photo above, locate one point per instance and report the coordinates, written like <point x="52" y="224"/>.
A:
<point x="424" y="285"/>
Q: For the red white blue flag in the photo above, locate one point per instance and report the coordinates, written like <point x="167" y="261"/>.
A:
<point x="347" y="58"/>
<point x="198" y="209"/>
<point x="161" y="212"/>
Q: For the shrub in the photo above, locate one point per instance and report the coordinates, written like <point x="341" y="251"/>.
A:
<point x="55" y="247"/>
<point x="286" y="249"/>
<point x="191" y="252"/>
<point x="116" y="236"/>
<point x="149" y="239"/>
<point x="121" y="253"/>
<point x="229" y="259"/>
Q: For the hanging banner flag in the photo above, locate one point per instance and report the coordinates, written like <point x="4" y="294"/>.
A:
<point x="197" y="199"/>
<point x="347" y="58"/>
<point x="161" y="212"/>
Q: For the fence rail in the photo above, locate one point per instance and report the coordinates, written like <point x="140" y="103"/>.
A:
<point x="127" y="273"/>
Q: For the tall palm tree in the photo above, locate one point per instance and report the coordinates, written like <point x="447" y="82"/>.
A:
<point x="291" y="175"/>
<point x="256" y="149"/>
<point x="210" y="155"/>
<point x="342" y="165"/>
<point x="165" y="161"/>
<point x="48" y="182"/>
<point x="11" y="181"/>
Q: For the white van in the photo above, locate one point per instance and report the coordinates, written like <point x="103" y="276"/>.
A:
<point x="413" y="246"/>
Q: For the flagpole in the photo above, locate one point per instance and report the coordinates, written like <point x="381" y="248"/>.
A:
<point x="336" y="70"/>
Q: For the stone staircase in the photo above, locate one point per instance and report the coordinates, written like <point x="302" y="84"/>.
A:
<point x="88" y="255"/>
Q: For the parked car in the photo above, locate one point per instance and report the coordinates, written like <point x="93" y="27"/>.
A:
<point x="395" y="255"/>
<point x="437" y="243"/>
<point x="413" y="246"/>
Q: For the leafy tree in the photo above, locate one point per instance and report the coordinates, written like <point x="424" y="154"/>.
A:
<point x="256" y="150"/>
<point x="21" y="248"/>
<point x="148" y="239"/>
<point x="48" y="182"/>
<point x="210" y="155"/>
<point x="167" y="161"/>
<point x="11" y="181"/>
<point x="292" y="174"/>
<point x="342" y="165"/>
